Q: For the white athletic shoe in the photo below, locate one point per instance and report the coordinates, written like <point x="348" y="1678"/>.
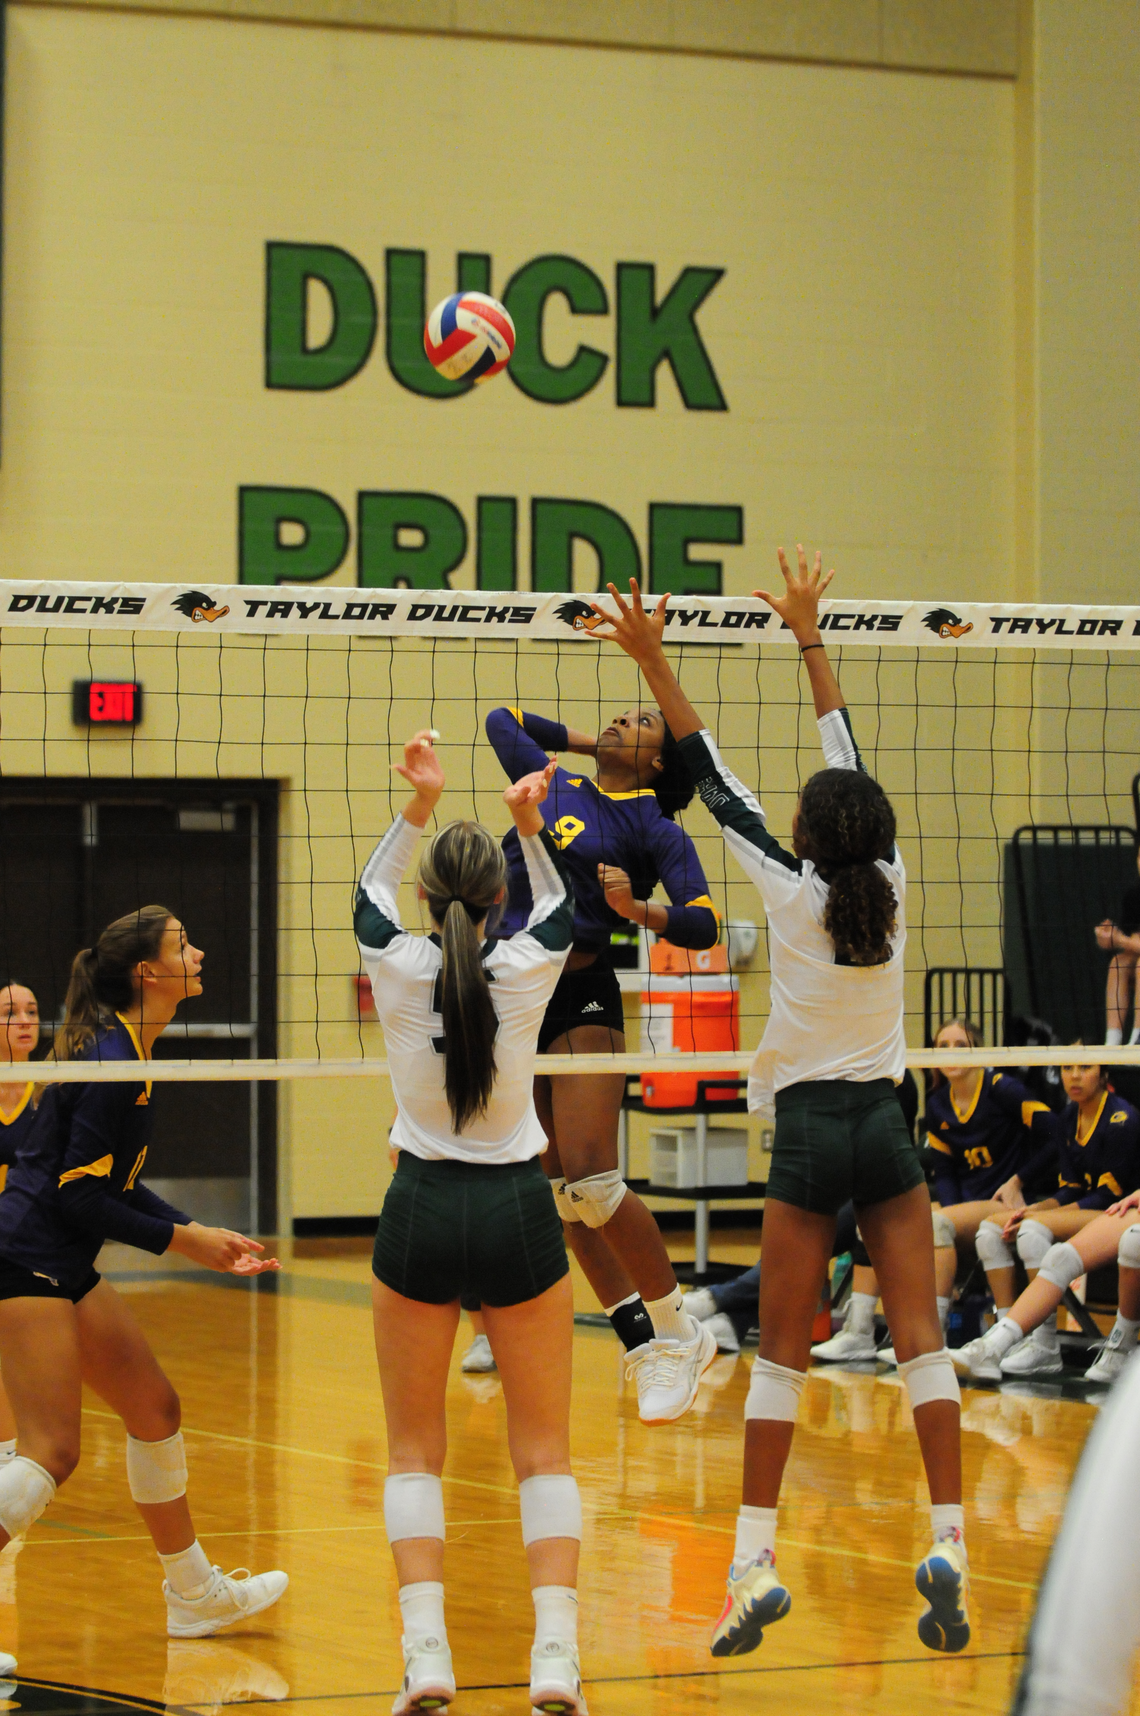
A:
<point x="668" y="1374"/>
<point x="556" y="1680"/>
<point x="943" y="1578"/>
<point x="429" y="1680"/>
<point x="977" y="1360"/>
<point x="849" y="1346"/>
<point x="886" y="1355"/>
<point x="700" y="1304"/>
<point x="1111" y="1359"/>
<point x="229" y="1597"/>
<point x="1037" y="1355"/>
<point x="7" y="1668"/>
<point x="754" y="1599"/>
<point x="721" y="1329"/>
<point x="478" y="1356"/>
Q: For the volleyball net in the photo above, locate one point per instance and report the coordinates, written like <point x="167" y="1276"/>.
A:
<point x="229" y="751"/>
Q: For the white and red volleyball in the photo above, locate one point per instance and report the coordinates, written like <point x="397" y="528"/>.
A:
<point x="469" y="337"/>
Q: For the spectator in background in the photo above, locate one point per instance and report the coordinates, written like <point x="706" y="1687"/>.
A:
<point x="1122" y="940"/>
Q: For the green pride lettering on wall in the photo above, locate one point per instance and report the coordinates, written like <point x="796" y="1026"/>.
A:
<point x="651" y="328"/>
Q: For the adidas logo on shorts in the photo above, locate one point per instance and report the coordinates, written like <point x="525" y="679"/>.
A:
<point x="593" y="1007"/>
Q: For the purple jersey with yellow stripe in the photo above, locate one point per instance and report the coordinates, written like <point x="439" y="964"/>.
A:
<point x="1004" y="1131"/>
<point x="591" y="827"/>
<point x="1099" y="1163"/>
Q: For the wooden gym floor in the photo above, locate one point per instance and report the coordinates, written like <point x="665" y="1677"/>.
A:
<point x="285" y="1435"/>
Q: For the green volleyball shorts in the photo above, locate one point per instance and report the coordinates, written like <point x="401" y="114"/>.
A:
<point x="469" y="1230"/>
<point x="836" y="1140"/>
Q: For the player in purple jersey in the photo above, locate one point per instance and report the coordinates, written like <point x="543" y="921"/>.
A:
<point x="617" y="838"/>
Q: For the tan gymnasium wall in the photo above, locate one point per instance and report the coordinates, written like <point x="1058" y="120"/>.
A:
<point x="860" y="335"/>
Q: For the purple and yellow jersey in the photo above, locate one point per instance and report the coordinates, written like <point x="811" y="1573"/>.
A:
<point x="592" y="827"/>
<point x="1003" y="1132"/>
<point x="1099" y="1163"/>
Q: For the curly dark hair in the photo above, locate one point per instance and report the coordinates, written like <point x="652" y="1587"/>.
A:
<point x="846" y="824"/>
<point x="673" y="786"/>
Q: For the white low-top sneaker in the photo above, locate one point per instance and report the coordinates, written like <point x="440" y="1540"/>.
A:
<point x="556" y="1680"/>
<point x="429" y="1680"/>
<point x="886" y="1355"/>
<point x="848" y="1346"/>
<point x="700" y="1304"/>
<point x="7" y="1666"/>
<point x="976" y="1360"/>
<point x="721" y="1329"/>
<point x="1033" y="1357"/>
<point x="229" y="1597"/>
<point x="1111" y="1360"/>
<point x="668" y="1374"/>
<point x="478" y="1356"/>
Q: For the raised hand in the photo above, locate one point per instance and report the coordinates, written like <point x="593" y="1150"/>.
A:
<point x="523" y="797"/>
<point x="638" y="633"/>
<point x="530" y="789"/>
<point x="421" y="767"/>
<point x="798" y="606"/>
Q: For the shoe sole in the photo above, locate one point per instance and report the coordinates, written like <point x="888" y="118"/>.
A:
<point x="944" y="1627"/>
<point x="428" y="1698"/>
<point x="204" y="1629"/>
<point x="709" y="1355"/>
<point x="1038" y="1370"/>
<point x="556" y="1701"/>
<point x="749" y="1630"/>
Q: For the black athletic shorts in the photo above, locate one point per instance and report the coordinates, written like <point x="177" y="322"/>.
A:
<point x="451" y="1230"/>
<point x="17" y="1282"/>
<point x="836" y="1139"/>
<point x="591" y="996"/>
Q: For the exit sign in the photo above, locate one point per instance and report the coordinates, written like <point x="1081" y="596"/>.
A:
<point x="106" y="702"/>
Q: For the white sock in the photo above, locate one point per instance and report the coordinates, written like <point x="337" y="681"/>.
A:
<point x="755" y="1535"/>
<point x="189" y="1572"/>
<point x="1113" y="1037"/>
<point x="1004" y="1336"/>
<point x="1001" y="1311"/>
<point x="1135" y="1037"/>
<point x="555" y="1614"/>
<point x="862" y="1313"/>
<point x="421" y="1610"/>
<point x="1128" y="1331"/>
<point x="670" y="1321"/>
<point x="943" y="1313"/>
<point x="7" y="1451"/>
<point x="1046" y="1332"/>
<point x="948" y="1519"/>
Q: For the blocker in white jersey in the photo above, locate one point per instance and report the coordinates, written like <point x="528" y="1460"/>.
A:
<point x="830" y="1018"/>
<point x="405" y="974"/>
<point x="831" y="1056"/>
<point x="470" y="1212"/>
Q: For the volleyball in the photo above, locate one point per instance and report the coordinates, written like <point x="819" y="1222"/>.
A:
<point x="469" y="337"/>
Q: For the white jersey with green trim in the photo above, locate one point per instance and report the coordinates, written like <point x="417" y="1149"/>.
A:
<point x="405" y="972"/>
<point x="827" y="1020"/>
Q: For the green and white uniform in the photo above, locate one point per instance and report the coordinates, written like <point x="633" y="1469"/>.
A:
<point x="470" y="1212"/>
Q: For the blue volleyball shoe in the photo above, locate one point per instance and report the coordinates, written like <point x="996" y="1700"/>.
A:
<point x="755" y="1598"/>
<point x="943" y="1579"/>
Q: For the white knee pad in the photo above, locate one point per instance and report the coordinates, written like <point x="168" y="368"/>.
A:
<point x="929" y="1377"/>
<point x="25" y="1490"/>
<point x="156" y="1471"/>
<point x="561" y="1201"/>
<point x="1062" y="1265"/>
<point x="945" y="1232"/>
<point x="993" y="1252"/>
<point x="774" y="1391"/>
<point x="591" y="1201"/>
<point x="550" y="1506"/>
<point x="1034" y="1241"/>
<point x="413" y="1506"/>
<point x="1128" y="1251"/>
